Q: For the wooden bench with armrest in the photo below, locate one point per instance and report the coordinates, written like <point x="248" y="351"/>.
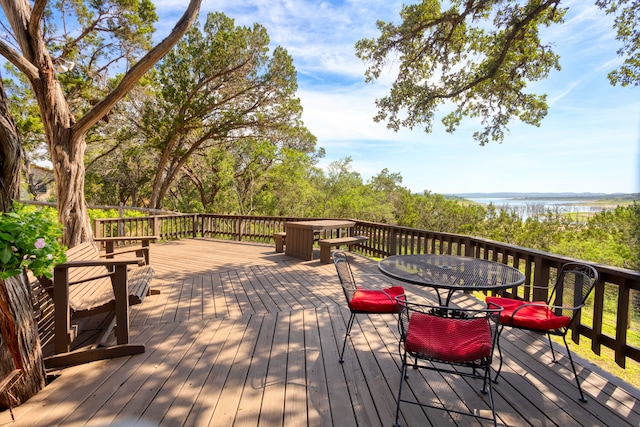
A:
<point x="86" y="285"/>
<point x="327" y="244"/>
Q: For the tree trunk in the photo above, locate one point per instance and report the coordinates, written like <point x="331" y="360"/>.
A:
<point x="20" y="346"/>
<point x="9" y="155"/>
<point x="20" y="342"/>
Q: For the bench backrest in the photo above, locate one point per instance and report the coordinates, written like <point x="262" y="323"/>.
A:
<point x="79" y="296"/>
<point x="88" y="295"/>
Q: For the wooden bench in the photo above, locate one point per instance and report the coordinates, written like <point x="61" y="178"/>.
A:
<point x="280" y="237"/>
<point x="327" y="244"/>
<point x="88" y="284"/>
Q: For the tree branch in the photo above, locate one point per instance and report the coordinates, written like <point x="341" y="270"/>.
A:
<point x="18" y="60"/>
<point x="511" y="36"/>
<point x="137" y="71"/>
<point x="37" y="14"/>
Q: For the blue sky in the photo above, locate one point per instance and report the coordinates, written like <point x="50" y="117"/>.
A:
<point x="589" y="141"/>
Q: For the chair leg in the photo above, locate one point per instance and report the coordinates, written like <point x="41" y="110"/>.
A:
<point x="487" y="384"/>
<point x="344" y="344"/>
<point x="495" y="379"/>
<point x="553" y="353"/>
<point x="403" y="376"/>
<point x="486" y="379"/>
<point x="573" y="367"/>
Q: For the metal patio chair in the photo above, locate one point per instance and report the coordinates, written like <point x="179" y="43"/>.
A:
<point x="360" y="299"/>
<point x="448" y="340"/>
<point x="556" y="316"/>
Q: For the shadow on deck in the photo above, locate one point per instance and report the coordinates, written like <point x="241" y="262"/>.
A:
<point x="241" y="335"/>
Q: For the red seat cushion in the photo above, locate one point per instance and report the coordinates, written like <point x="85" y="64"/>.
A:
<point x="538" y="317"/>
<point x="447" y="339"/>
<point x="370" y="301"/>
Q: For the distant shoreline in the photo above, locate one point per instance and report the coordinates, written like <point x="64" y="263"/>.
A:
<point x="563" y="196"/>
<point x="566" y="202"/>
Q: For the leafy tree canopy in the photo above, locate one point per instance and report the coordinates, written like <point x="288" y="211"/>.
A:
<point x="222" y="87"/>
<point x="478" y="56"/>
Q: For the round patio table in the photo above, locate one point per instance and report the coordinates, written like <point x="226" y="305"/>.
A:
<point x="451" y="273"/>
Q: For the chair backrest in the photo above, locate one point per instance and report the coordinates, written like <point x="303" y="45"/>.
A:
<point x="449" y="334"/>
<point x="572" y="288"/>
<point x="348" y="282"/>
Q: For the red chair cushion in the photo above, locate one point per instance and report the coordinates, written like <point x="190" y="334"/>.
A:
<point x="538" y="317"/>
<point x="447" y="339"/>
<point x="370" y="301"/>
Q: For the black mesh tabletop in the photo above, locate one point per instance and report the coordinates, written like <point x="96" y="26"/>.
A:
<point x="451" y="272"/>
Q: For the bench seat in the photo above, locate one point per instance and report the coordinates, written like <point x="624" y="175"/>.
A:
<point x="327" y="244"/>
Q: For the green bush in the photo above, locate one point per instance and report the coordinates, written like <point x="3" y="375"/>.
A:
<point x="30" y="239"/>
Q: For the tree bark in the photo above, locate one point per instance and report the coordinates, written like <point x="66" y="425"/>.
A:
<point x="10" y="155"/>
<point x="20" y="342"/>
<point x="20" y="345"/>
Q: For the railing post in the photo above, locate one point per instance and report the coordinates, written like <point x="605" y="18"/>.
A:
<point x="468" y="248"/>
<point x="540" y="279"/>
<point x="239" y="229"/>
<point x="120" y="221"/>
<point x="624" y="302"/>
<point x="194" y="231"/>
<point x="393" y="242"/>
<point x="155" y="226"/>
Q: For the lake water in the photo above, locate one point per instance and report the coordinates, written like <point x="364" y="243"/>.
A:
<point x="527" y="207"/>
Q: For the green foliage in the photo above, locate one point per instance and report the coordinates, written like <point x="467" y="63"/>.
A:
<point x="289" y="189"/>
<point x="437" y="213"/>
<point x="221" y="89"/>
<point x="113" y="213"/>
<point x="30" y="239"/>
<point x="609" y="237"/>
<point x="25" y="114"/>
<point x="627" y="16"/>
<point x="477" y="55"/>
<point x="99" y="37"/>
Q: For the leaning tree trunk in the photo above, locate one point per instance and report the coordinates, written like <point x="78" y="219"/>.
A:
<point x="20" y="343"/>
<point x="9" y="155"/>
<point x="20" y="346"/>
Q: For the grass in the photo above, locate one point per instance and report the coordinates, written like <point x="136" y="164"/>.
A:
<point x="606" y="361"/>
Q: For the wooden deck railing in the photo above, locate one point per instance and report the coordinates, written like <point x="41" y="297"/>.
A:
<point x="613" y="310"/>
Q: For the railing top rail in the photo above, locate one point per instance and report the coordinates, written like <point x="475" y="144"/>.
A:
<point x="631" y="274"/>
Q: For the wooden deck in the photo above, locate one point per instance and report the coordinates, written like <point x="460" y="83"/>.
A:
<point x="243" y="336"/>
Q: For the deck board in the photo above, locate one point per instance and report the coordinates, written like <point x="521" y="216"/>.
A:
<point x="272" y="409"/>
<point x="242" y="336"/>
